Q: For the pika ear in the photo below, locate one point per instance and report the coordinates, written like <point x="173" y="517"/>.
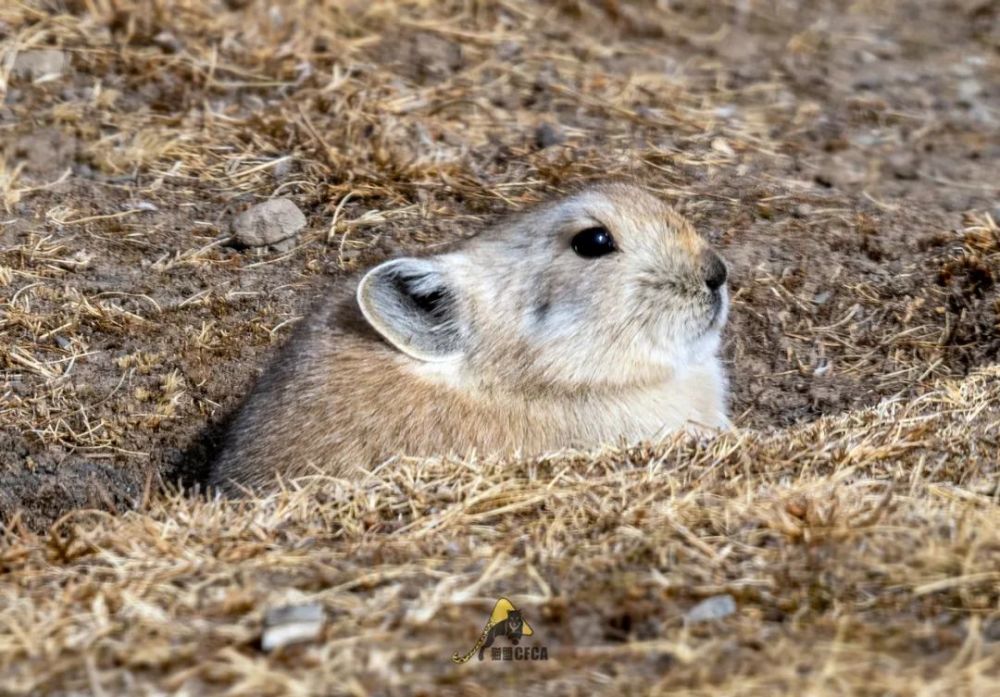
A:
<point x="411" y="303"/>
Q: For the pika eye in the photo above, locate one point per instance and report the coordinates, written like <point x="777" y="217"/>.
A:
<point x="593" y="242"/>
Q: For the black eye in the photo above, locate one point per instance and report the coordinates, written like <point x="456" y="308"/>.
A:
<point x="593" y="242"/>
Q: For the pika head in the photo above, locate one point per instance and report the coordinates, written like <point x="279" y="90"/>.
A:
<point x="606" y="288"/>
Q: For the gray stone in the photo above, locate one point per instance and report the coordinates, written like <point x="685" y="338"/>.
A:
<point x="268" y="223"/>
<point x="285" y="245"/>
<point x="34" y="65"/>
<point x="282" y="168"/>
<point x="547" y="135"/>
<point x="955" y="201"/>
<point x="803" y="210"/>
<point x="904" y="165"/>
<point x="45" y="151"/>
<point x="969" y="90"/>
<point x="168" y="42"/>
<point x="714" y="608"/>
<point x="290" y="624"/>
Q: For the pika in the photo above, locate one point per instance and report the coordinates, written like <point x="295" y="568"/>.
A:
<point x="583" y="321"/>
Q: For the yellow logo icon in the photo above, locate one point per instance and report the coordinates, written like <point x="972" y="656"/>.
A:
<point x="505" y="621"/>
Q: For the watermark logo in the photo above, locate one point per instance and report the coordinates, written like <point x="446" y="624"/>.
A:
<point x="505" y="621"/>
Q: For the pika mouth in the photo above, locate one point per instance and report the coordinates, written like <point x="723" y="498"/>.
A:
<point x="717" y="311"/>
<point x="716" y="307"/>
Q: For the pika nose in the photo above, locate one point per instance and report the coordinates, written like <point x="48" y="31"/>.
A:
<point x="714" y="270"/>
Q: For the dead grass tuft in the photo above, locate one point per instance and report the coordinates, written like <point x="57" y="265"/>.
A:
<point x="860" y="550"/>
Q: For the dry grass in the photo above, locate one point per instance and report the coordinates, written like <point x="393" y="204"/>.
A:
<point x="861" y="551"/>
<point x="842" y="154"/>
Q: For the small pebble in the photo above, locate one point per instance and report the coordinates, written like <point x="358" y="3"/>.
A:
<point x="507" y="50"/>
<point x="281" y="168"/>
<point x="969" y="90"/>
<point x="955" y="201"/>
<point x="268" y="223"/>
<point x="547" y="135"/>
<point x="904" y="166"/>
<point x="35" y="65"/>
<point x="723" y="146"/>
<point x="285" y="245"/>
<point x="714" y="608"/>
<point x="168" y="42"/>
<point x="291" y="624"/>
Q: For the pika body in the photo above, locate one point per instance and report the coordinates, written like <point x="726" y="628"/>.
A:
<point x="583" y="321"/>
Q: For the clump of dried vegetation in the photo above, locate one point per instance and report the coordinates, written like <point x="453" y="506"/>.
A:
<point x="861" y="552"/>
<point x="843" y="156"/>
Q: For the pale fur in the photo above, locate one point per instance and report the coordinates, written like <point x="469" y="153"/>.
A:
<point x="557" y="351"/>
